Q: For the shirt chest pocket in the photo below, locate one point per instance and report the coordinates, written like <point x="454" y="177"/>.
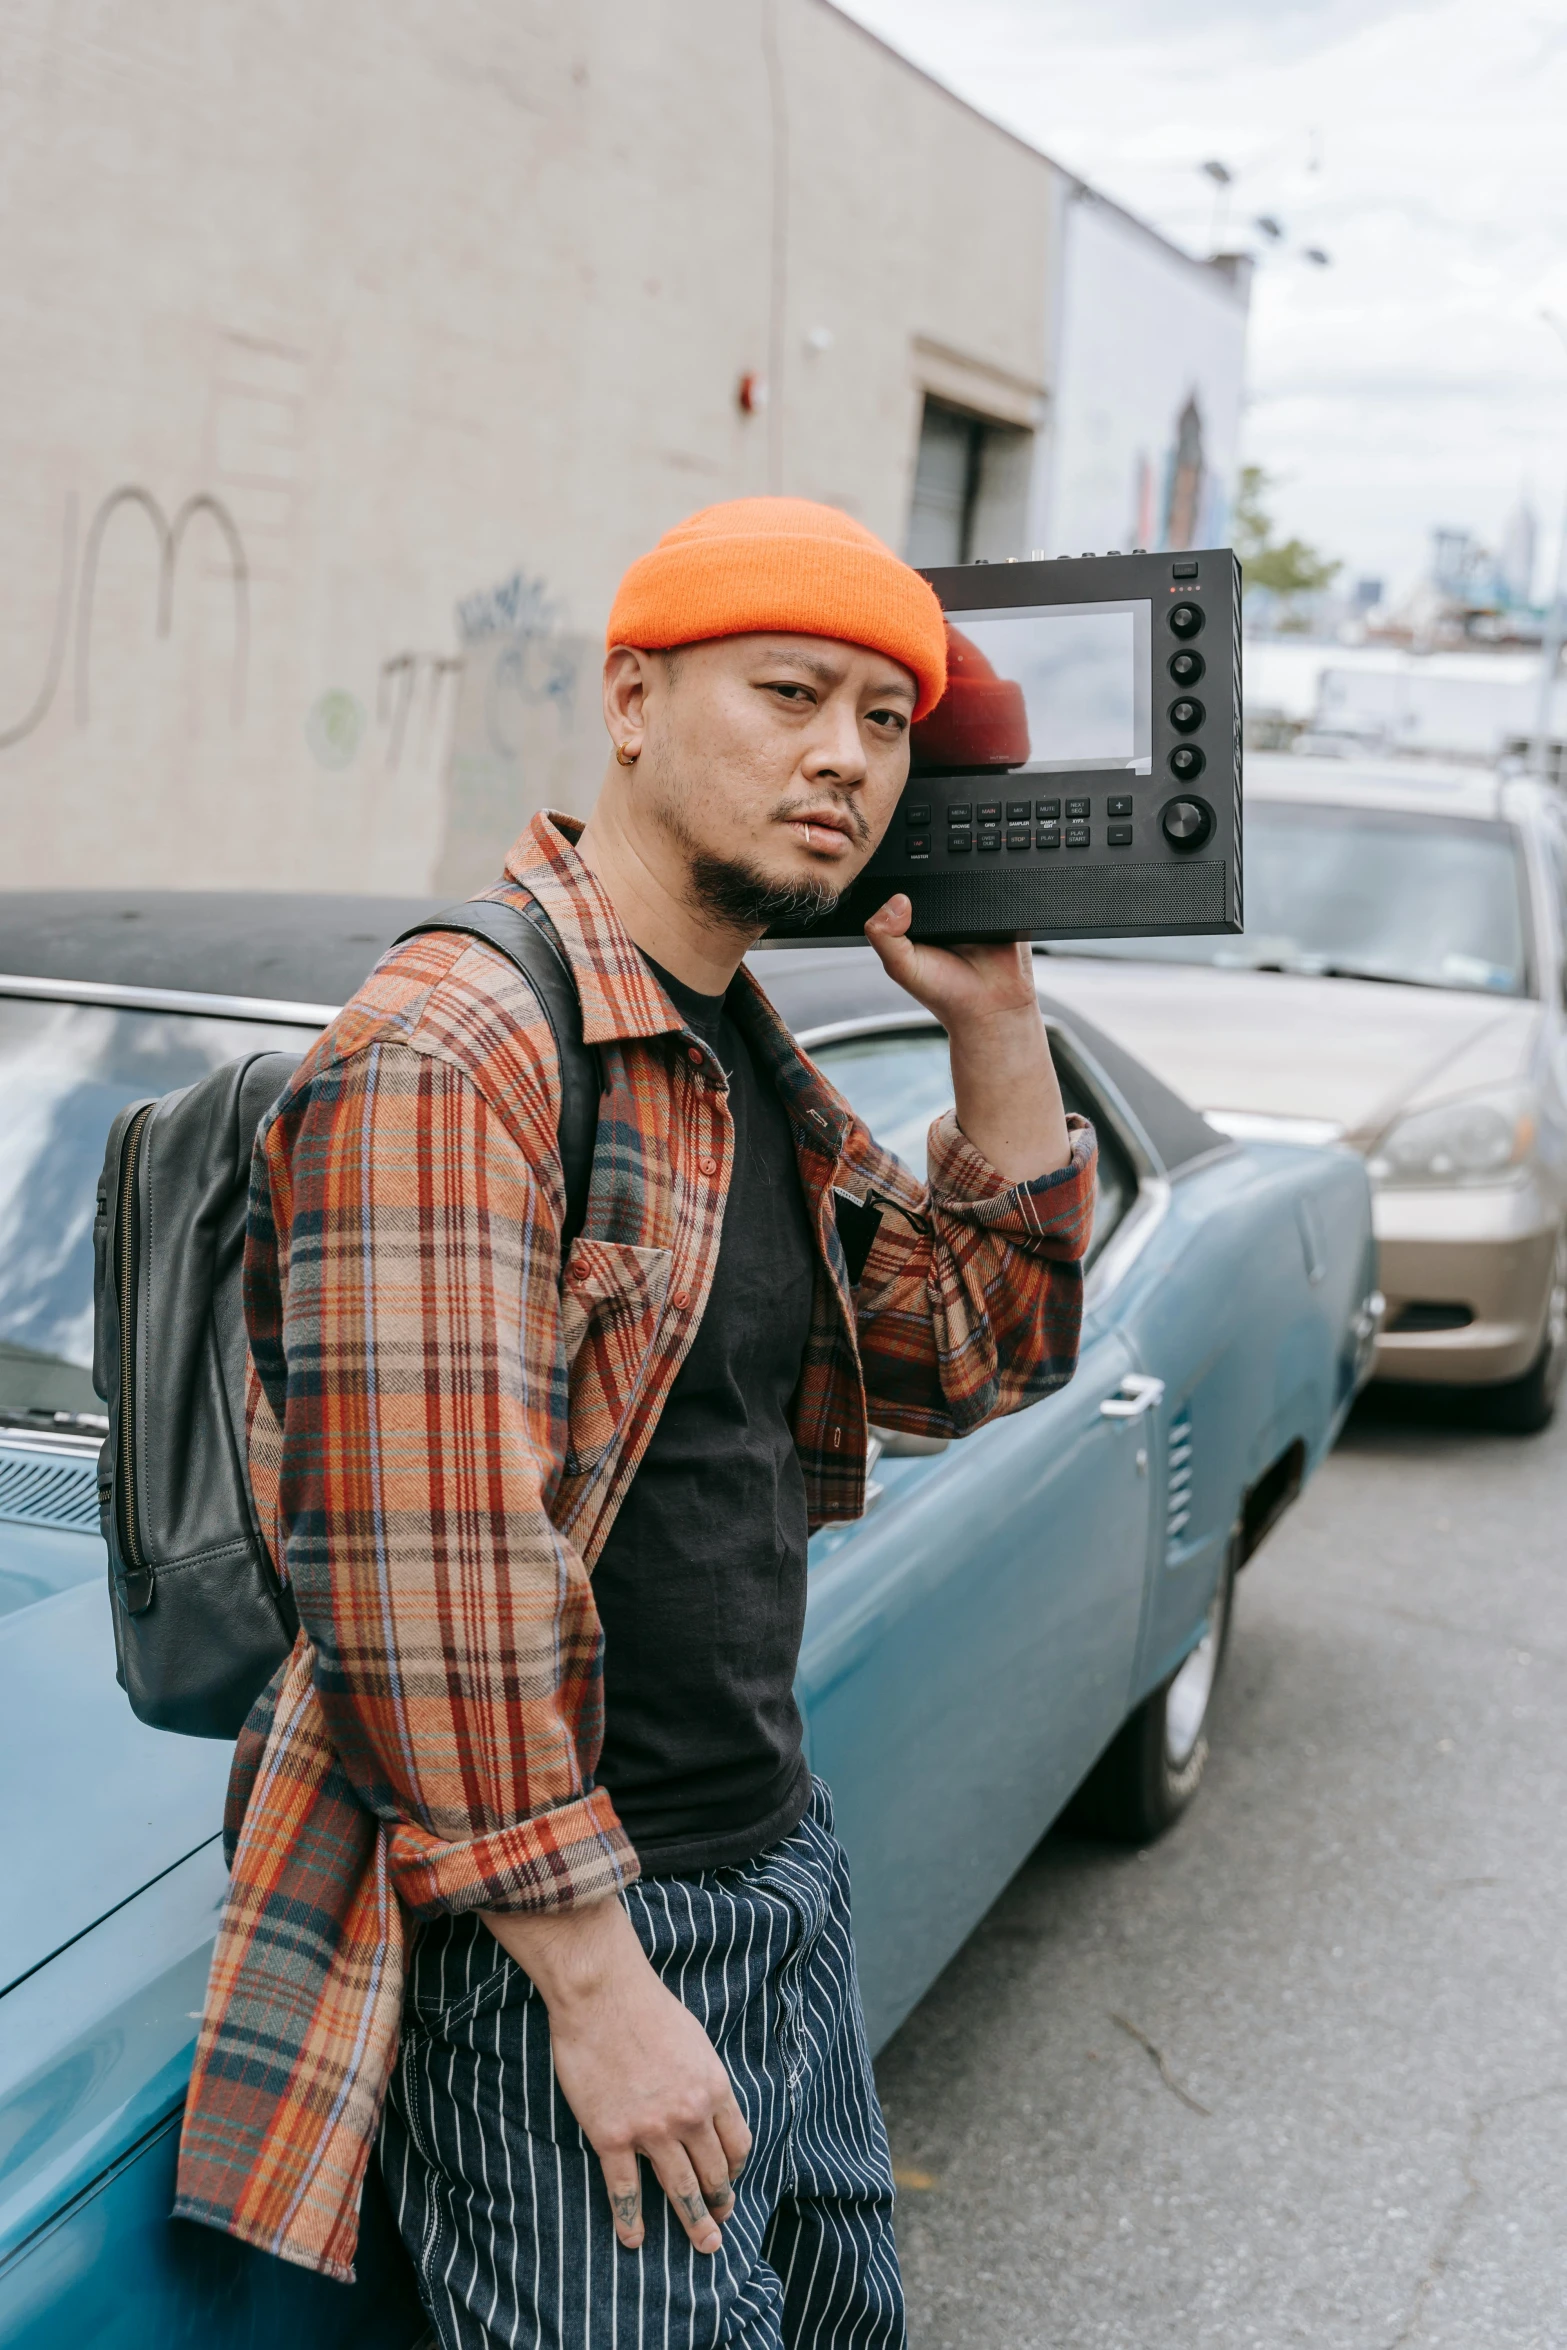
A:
<point x="610" y="1302"/>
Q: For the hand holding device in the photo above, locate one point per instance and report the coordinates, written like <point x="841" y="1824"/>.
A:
<point x="1004" y="1082"/>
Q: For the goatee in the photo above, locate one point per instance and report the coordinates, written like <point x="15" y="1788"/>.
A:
<point x="743" y="899"/>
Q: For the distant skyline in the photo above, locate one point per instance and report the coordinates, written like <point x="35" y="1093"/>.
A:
<point x="1410" y="385"/>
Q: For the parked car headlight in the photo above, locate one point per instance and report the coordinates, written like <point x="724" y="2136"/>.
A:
<point x="1484" y="1138"/>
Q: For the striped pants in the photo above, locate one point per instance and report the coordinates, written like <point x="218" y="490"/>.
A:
<point x="500" y="2198"/>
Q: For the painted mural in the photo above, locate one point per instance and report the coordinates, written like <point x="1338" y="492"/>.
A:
<point x="1146" y="440"/>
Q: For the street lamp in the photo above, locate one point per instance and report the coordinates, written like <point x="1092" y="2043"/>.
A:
<point x="1267" y="224"/>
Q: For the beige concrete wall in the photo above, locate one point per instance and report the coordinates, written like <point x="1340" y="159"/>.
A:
<point x="431" y="298"/>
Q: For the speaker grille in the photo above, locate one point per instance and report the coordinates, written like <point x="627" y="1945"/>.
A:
<point x="1055" y="901"/>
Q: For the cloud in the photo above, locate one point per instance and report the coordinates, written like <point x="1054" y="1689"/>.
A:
<point x="1417" y="141"/>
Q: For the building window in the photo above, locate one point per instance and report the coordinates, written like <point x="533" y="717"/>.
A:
<point x="970" y="487"/>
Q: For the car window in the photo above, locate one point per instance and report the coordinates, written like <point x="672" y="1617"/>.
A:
<point x="65" y="1070"/>
<point x="898" y="1082"/>
<point x="1367" y="893"/>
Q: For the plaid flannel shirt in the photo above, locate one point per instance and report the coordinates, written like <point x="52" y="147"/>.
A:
<point x="442" y="1427"/>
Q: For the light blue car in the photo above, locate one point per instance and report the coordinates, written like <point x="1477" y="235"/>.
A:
<point x="1032" y="1618"/>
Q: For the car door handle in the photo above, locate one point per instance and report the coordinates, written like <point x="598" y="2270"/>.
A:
<point x="1135" y="1395"/>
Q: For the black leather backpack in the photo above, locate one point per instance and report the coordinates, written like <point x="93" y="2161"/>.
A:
<point x="201" y="1621"/>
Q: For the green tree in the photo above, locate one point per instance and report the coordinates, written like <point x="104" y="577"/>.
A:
<point x="1288" y="567"/>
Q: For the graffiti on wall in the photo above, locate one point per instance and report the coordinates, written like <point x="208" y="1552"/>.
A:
<point x="513" y="631"/>
<point x="34" y="717"/>
<point x="397" y="693"/>
<point x="334" y="728"/>
<point x="406" y="683"/>
<point x="516" y="606"/>
<point x="528" y="730"/>
<point x="81" y="592"/>
<point x="508" y="722"/>
<point x="169" y="537"/>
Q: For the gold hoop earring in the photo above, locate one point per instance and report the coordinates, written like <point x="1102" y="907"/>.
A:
<point x="626" y="758"/>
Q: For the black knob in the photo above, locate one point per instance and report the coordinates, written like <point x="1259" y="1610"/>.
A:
<point x="1186" y="619"/>
<point x="1186" y="715"/>
<point x="1186" y="667"/>
<point x="1186" y="762"/>
<point x="1186" y="824"/>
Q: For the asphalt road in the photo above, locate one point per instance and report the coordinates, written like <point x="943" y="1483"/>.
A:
<point x="1351" y="1958"/>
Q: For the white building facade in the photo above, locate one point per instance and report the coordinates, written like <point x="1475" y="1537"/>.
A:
<point x="1150" y="351"/>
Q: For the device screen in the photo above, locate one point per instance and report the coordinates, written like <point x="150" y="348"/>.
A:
<point x="1043" y="688"/>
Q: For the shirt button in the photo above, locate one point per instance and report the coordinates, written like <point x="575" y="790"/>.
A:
<point x="682" y="1299"/>
<point x="694" y="1053"/>
<point x="708" y="1166"/>
<point x="837" y="1440"/>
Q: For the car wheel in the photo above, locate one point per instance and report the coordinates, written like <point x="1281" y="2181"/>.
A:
<point x="1524" y="1406"/>
<point x="1153" y="1767"/>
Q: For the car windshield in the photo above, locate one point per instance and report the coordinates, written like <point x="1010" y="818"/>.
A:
<point x="1367" y="893"/>
<point x="65" y="1069"/>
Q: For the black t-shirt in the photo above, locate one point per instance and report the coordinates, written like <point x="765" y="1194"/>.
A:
<point x="700" y="1587"/>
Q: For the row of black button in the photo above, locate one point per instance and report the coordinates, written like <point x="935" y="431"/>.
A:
<point x="1018" y="837"/>
<point x="963" y="813"/>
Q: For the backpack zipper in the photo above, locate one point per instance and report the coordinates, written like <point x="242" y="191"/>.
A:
<point x="138" y="1575"/>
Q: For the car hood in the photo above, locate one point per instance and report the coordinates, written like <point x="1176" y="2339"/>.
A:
<point x="1344" y="1053"/>
<point x="97" y="1805"/>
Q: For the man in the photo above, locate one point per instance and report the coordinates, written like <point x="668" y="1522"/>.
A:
<point x="528" y="1870"/>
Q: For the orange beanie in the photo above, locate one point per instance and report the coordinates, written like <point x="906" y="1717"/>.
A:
<point x="784" y="563"/>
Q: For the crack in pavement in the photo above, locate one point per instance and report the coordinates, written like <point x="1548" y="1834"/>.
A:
<point x="1160" y="2059"/>
<point x="1447" y="2241"/>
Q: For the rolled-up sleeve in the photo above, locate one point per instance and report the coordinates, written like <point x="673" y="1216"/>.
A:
<point x="415" y="1371"/>
<point x="971" y="1300"/>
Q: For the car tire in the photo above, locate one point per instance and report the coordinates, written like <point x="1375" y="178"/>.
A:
<point x="1523" y="1406"/>
<point x="1154" y="1765"/>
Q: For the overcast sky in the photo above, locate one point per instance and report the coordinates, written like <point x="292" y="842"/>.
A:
<point x="1422" y="145"/>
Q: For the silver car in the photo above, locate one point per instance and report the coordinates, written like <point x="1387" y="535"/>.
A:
<point x="1398" y="992"/>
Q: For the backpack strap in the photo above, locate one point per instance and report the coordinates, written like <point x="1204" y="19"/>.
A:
<point x="530" y="944"/>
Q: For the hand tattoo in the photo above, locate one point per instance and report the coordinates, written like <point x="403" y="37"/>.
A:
<point x="628" y="2208"/>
